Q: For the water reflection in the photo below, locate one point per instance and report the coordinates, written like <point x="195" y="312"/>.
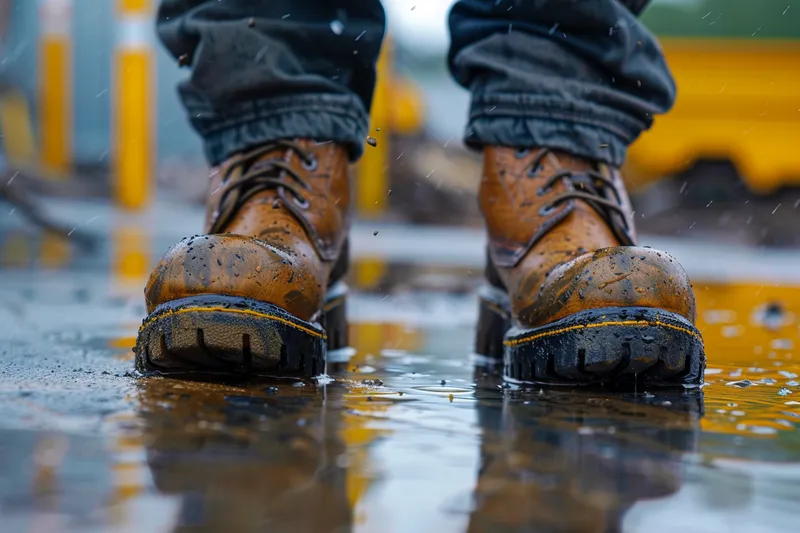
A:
<point x="287" y="458"/>
<point x="247" y="459"/>
<point x="577" y="461"/>
<point x="387" y="445"/>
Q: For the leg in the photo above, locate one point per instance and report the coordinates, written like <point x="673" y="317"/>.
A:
<point x="583" y="76"/>
<point x="279" y="90"/>
<point x="560" y="89"/>
<point x="306" y="68"/>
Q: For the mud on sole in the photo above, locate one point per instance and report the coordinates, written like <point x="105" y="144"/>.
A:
<point x="613" y="345"/>
<point x="217" y="334"/>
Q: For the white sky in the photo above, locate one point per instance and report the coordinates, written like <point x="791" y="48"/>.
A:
<point x="423" y="29"/>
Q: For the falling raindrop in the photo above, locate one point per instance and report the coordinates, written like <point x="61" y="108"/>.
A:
<point x="337" y="27"/>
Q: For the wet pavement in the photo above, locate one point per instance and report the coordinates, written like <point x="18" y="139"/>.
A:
<point x="413" y="434"/>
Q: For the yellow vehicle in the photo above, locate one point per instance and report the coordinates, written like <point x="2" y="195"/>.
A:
<point x="737" y="67"/>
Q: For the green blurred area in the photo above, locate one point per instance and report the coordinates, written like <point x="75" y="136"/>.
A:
<point x="760" y="19"/>
<point x="736" y="63"/>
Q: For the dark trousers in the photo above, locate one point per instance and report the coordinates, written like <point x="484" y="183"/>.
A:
<point x="583" y="76"/>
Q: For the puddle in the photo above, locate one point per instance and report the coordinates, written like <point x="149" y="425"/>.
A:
<point x="407" y="435"/>
<point x="443" y="390"/>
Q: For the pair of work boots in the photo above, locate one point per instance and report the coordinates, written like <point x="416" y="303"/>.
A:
<point x="569" y="297"/>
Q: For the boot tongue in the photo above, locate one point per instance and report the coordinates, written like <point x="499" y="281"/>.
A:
<point x="527" y="195"/>
<point x="564" y="161"/>
<point x="279" y="154"/>
<point x="241" y="168"/>
<point x="596" y="189"/>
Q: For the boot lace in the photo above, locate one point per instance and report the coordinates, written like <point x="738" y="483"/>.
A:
<point x="258" y="176"/>
<point x="592" y="187"/>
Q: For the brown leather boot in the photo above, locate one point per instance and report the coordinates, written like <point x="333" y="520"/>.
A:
<point x="570" y="297"/>
<point x="259" y="292"/>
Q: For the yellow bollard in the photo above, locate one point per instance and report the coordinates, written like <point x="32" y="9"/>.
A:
<point x="133" y="106"/>
<point x="369" y="272"/>
<point x="54" y="251"/>
<point x="55" y="85"/>
<point x="129" y="477"/>
<point x="130" y="256"/>
<point x="16" y="250"/>
<point x="373" y="170"/>
<point x="372" y="180"/>
<point x="15" y="116"/>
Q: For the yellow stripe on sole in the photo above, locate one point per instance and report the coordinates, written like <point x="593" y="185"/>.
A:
<point x="241" y="312"/>
<point x="634" y="323"/>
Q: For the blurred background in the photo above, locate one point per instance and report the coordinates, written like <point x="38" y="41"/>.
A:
<point x="96" y="148"/>
<point x="89" y="105"/>
<point x="94" y="140"/>
<point x="100" y="173"/>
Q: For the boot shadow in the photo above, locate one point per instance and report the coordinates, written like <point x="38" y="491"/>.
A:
<point x="569" y="460"/>
<point x="246" y="459"/>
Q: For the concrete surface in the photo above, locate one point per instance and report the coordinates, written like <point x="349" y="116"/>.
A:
<point x="412" y="435"/>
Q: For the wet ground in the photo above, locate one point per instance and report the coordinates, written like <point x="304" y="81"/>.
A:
<point x="411" y="435"/>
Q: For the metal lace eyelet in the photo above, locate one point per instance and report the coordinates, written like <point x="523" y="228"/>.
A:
<point x="302" y="203"/>
<point x="540" y="191"/>
<point x="546" y="210"/>
<point x="522" y="152"/>
<point x="533" y="171"/>
<point x="311" y="164"/>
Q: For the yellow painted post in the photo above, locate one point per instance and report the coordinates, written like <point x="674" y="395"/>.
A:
<point x="133" y="106"/>
<point x="373" y="171"/>
<point x="54" y="251"/>
<point x="372" y="185"/>
<point x="369" y="272"/>
<point x="16" y="250"/>
<point x="130" y="261"/>
<point x="131" y="255"/>
<point x="55" y="85"/>
<point x="15" y="116"/>
<point x="129" y="475"/>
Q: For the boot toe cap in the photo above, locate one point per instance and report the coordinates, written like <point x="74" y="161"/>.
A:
<point x="612" y="277"/>
<point x="236" y="265"/>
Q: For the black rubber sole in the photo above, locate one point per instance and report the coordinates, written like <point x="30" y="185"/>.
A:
<point x="228" y="335"/>
<point x="614" y="345"/>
